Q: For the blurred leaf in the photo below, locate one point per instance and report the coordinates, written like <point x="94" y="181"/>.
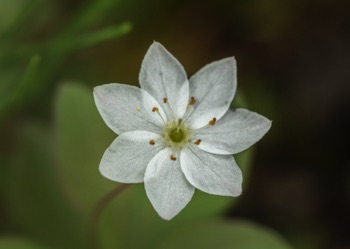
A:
<point x="129" y="221"/>
<point x="62" y="47"/>
<point x="13" y="14"/>
<point x="19" y="243"/>
<point x="68" y="44"/>
<point x="4" y="175"/>
<point x="8" y="13"/>
<point x="223" y="235"/>
<point x="54" y="51"/>
<point x="37" y="205"/>
<point x="104" y="35"/>
<point x="91" y="13"/>
<point x="81" y="139"/>
<point x="24" y="90"/>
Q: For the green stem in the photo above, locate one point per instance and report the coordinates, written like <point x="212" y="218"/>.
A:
<point x="93" y="222"/>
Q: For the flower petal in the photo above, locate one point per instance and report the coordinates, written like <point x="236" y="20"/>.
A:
<point x="127" y="157"/>
<point x="213" y="174"/>
<point x="166" y="185"/>
<point x="213" y="88"/>
<point x="163" y="77"/>
<point x="233" y="133"/>
<point x="128" y="108"/>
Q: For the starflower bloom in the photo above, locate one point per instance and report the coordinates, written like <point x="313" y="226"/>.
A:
<point x="176" y="134"/>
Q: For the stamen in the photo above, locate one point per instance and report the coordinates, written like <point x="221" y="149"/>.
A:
<point x="152" y="142"/>
<point x="155" y="109"/>
<point x="212" y="122"/>
<point x="198" y="142"/>
<point x="138" y="108"/>
<point x="192" y="101"/>
<point x="172" y="158"/>
<point x="166" y="101"/>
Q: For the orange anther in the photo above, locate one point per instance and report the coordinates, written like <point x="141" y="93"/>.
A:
<point x="212" y="122"/>
<point x="155" y="109"/>
<point x="192" y="101"/>
<point x="152" y="142"/>
<point x="198" y="141"/>
<point x="172" y="158"/>
<point x="165" y="100"/>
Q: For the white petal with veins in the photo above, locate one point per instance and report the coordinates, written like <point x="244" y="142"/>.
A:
<point x="163" y="76"/>
<point x="233" y="133"/>
<point x="213" y="174"/>
<point x="213" y="87"/>
<point x="125" y="160"/>
<point x="166" y="186"/>
<point x="128" y="108"/>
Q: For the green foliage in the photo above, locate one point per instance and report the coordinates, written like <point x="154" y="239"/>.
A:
<point x="223" y="235"/>
<point x="38" y="205"/>
<point x="19" y="243"/>
<point x="103" y="35"/>
<point x="80" y="140"/>
<point x="24" y="90"/>
<point x="16" y="91"/>
<point x="13" y="15"/>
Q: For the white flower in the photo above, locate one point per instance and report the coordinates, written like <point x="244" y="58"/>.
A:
<point x="176" y="134"/>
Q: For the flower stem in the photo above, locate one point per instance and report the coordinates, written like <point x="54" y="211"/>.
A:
<point x="93" y="222"/>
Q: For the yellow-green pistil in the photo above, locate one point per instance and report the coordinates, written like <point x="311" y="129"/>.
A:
<point x="176" y="134"/>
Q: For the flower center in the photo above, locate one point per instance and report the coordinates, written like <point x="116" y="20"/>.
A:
<point x="176" y="135"/>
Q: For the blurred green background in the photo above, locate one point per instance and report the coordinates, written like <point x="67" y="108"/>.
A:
<point x="293" y="67"/>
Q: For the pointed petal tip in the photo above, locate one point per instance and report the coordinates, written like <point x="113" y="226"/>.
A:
<point x="96" y="90"/>
<point x="227" y="59"/>
<point x="100" y="87"/>
<point x="105" y="174"/>
<point x="268" y="124"/>
<point x="237" y="192"/>
<point x="234" y="191"/>
<point x="165" y="214"/>
<point x="155" y="42"/>
<point x="166" y="217"/>
<point x="232" y="59"/>
<point x="156" y="45"/>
